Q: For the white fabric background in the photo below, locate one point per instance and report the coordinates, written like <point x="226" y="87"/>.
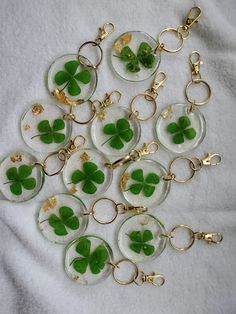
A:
<point x="33" y="34"/>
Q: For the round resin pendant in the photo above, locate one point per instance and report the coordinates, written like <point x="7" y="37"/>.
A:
<point x="87" y="260"/>
<point x="44" y="129"/>
<point x="20" y="179"/>
<point x="85" y="174"/>
<point x="139" y="238"/>
<point x="142" y="183"/>
<point x="114" y="133"/>
<point x="133" y="57"/>
<point x="179" y="130"/>
<point x="67" y="77"/>
<point x="61" y="218"/>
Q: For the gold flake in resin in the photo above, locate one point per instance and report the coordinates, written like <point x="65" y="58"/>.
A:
<point x="73" y="189"/>
<point x="26" y="127"/>
<point x="168" y="113"/>
<point x="126" y="38"/>
<point x="37" y="109"/>
<point x="118" y="47"/>
<point x="16" y="157"/>
<point x="145" y="221"/>
<point x="50" y="203"/>
<point x="85" y="157"/>
<point x="102" y="115"/>
<point x="124" y="180"/>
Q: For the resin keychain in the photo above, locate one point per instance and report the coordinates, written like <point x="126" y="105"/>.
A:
<point x="83" y="169"/>
<point x="20" y="180"/>
<point x="89" y="260"/>
<point x="72" y="78"/>
<point x="180" y="127"/>
<point x="143" y="237"/>
<point x="135" y="55"/>
<point x="115" y="130"/>
<point x="112" y="131"/>
<point x="61" y="218"/>
<point x="146" y="182"/>
<point x="44" y="128"/>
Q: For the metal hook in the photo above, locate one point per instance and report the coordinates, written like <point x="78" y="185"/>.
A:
<point x="104" y="31"/>
<point x="193" y="18"/>
<point x="157" y="83"/>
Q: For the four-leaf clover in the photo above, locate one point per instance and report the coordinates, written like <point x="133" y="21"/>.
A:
<point x="146" y="184"/>
<point x="96" y="260"/>
<point x="89" y="175"/>
<point x="144" y="56"/>
<point x="20" y="178"/>
<point x="181" y="130"/>
<point x="119" y="131"/>
<point x="139" y="242"/>
<point x="66" y="219"/>
<point x="70" y="76"/>
<point x="50" y="134"/>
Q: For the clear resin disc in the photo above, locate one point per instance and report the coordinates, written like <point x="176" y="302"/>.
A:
<point x="61" y="218"/>
<point x="114" y="133"/>
<point x="87" y="260"/>
<point x="67" y="75"/>
<point x="139" y="238"/>
<point x="85" y="174"/>
<point x="133" y="57"/>
<point x="44" y="129"/>
<point x="179" y="130"/>
<point x="142" y="183"/>
<point x="20" y="179"/>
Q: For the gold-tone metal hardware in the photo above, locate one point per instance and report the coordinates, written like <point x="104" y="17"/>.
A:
<point x="195" y="164"/>
<point x="195" y="64"/>
<point x="109" y="100"/>
<point x="72" y="117"/>
<point x="209" y="237"/>
<point x="63" y="155"/>
<point x="161" y="46"/>
<point x="193" y="16"/>
<point x="155" y="279"/>
<point x="135" y="155"/>
<point x="104" y="32"/>
<point x="137" y="276"/>
<point x="117" y="265"/>
<point x="118" y="208"/>
<point x="182" y="31"/>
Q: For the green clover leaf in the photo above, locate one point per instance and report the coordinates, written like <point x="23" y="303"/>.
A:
<point x="89" y="175"/>
<point x="146" y="184"/>
<point x="139" y="242"/>
<point x="50" y="134"/>
<point x="70" y="77"/>
<point x="19" y="178"/>
<point x="96" y="260"/>
<point x="144" y="56"/>
<point x="119" y="131"/>
<point x="181" y="130"/>
<point x="66" y="219"/>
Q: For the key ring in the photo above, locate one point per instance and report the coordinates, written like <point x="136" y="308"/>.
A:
<point x="210" y="237"/>
<point x="63" y="155"/>
<point x="194" y="102"/>
<point x="117" y="208"/>
<point x="104" y="32"/>
<point x="195" y="164"/>
<point x="150" y="95"/>
<point x="137" y="276"/>
<point x="72" y="117"/>
<point x="182" y="31"/>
